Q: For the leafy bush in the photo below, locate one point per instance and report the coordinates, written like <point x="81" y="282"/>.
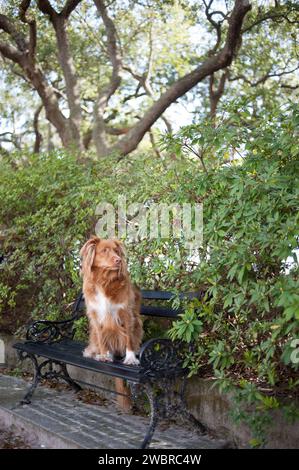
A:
<point x="245" y="328"/>
<point x="246" y="176"/>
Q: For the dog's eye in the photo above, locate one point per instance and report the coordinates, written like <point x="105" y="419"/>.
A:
<point x="104" y="250"/>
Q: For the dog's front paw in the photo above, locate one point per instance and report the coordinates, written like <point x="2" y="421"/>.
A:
<point x="88" y="352"/>
<point x="131" y="359"/>
<point x="104" y="357"/>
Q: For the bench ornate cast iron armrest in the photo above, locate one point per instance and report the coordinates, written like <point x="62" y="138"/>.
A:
<point x="50" y="331"/>
<point x="160" y="357"/>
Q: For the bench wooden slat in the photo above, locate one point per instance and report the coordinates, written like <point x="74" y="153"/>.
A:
<point x="157" y="294"/>
<point x="167" y="295"/>
<point x="154" y="311"/>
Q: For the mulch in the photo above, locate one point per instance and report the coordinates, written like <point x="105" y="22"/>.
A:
<point x="10" y="440"/>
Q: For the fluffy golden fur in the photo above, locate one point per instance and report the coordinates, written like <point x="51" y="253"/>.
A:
<point x="112" y="302"/>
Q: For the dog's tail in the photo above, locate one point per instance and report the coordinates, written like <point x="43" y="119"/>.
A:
<point x="124" y="398"/>
<point x="116" y="341"/>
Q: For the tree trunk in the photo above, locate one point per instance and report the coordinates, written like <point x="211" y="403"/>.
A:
<point x="50" y="102"/>
<point x="70" y="77"/>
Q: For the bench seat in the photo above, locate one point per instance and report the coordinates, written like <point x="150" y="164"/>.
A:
<point x="70" y="352"/>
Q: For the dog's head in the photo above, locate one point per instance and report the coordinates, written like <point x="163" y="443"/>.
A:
<point x="105" y="254"/>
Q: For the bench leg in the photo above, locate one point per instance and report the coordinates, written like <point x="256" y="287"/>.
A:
<point x="62" y="373"/>
<point x="167" y="400"/>
<point x="153" y="418"/>
<point x="76" y="387"/>
<point x="36" y="379"/>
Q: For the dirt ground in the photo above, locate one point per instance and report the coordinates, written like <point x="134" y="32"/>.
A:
<point x="10" y="440"/>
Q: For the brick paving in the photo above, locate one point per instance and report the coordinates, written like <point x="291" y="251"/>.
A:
<point x="58" y="419"/>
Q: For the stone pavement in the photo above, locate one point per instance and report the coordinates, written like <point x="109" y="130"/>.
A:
<point x="57" y="419"/>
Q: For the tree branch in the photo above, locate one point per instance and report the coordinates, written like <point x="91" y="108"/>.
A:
<point x="290" y="87"/>
<point x="112" y="48"/>
<point x="38" y="135"/>
<point x="11" y="53"/>
<point x="115" y="80"/>
<point x="34" y="75"/>
<point x="7" y="25"/>
<point x="69" y="7"/>
<point x="46" y="8"/>
<point x="25" y="4"/>
<point x="66" y="63"/>
<point x="275" y="14"/>
<point x="264" y="78"/>
<point x="144" y="79"/>
<point x="213" y="63"/>
<point x="215" y="24"/>
<point x="198" y="154"/>
<point x="215" y="94"/>
<point x="155" y="147"/>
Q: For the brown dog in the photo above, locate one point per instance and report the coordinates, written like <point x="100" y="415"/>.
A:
<point x="112" y="302"/>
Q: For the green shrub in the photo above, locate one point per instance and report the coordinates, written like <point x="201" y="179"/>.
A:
<point x="243" y="329"/>
<point x="248" y="267"/>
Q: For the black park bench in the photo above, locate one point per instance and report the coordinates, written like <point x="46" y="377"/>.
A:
<point x="160" y="374"/>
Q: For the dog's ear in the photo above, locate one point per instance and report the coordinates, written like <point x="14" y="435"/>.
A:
<point x="87" y="254"/>
<point x="123" y="254"/>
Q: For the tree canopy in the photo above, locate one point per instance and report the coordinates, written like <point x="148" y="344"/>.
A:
<point x="105" y="74"/>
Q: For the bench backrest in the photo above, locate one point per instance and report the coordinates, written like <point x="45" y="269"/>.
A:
<point x="151" y="310"/>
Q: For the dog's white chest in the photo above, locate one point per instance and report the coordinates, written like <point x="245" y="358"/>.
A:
<point x="104" y="308"/>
